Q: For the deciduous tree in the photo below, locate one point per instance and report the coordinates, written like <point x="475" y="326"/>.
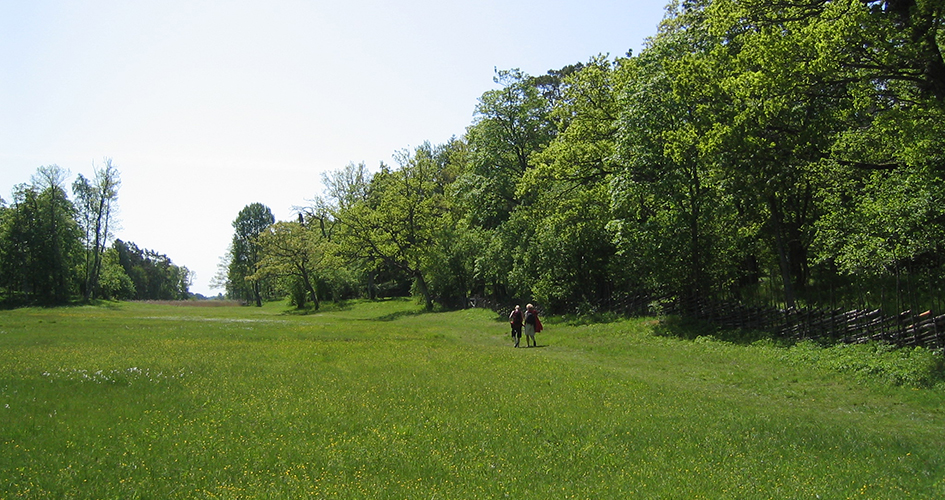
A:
<point x="96" y="203"/>
<point x="291" y="250"/>
<point x="245" y="252"/>
<point x="397" y="224"/>
<point x="39" y="241"/>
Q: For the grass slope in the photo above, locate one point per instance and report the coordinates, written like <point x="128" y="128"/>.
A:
<point x="381" y="400"/>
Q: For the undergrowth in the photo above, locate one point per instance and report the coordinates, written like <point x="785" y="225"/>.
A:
<point x="908" y="366"/>
<point x="873" y="361"/>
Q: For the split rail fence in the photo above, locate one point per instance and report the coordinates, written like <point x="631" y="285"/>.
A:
<point x="905" y="329"/>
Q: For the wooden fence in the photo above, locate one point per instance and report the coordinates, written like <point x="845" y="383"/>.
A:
<point x="854" y="326"/>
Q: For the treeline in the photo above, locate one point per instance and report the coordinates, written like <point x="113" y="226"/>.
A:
<point x="790" y="153"/>
<point x="55" y="251"/>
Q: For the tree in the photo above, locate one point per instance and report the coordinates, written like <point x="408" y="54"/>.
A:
<point x="39" y="241"/>
<point x="672" y="223"/>
<point x="153" y="275"/>
<point x="798" y="140"/>
<point x="569" y="260"/>
<point x="95" y="203"/>
<point x="291" y="250"/>
<point x="511" y="124"/>
<point x="114" y="282"/>
<point x="396" y="225"/>
<point x="346" y="187"/>
<point x="342" y="267"/>
<point x="245" y="252"/>
<point x="893" y="47"/>
<point x="842" y="104"/>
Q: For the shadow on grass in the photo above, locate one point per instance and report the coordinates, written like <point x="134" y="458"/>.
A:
<point x="9" y="305"/>
<point x="691" y="329"/>
<point x="399" y="314"/>
<point x="330" y="306"/>
<point x="594" y="318"/>
<point x="305" y="311"/>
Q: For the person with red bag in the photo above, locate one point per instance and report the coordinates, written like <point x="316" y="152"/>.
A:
<point x="532" y="325"/>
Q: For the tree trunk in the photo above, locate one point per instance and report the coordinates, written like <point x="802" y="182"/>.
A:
<point x="310" y="288"/>
<point x="371" y="288"/>
<point x="785" y="266"/>
<point x="424" y="291"/>
<point x="695" y="260"/>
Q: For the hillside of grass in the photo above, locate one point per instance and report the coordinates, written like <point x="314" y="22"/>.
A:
<point x="384" y="400"/>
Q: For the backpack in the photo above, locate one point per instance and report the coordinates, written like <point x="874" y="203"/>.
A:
<point x="529" y="318"/>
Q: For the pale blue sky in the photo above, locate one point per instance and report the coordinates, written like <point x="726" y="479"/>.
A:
<point x="208" y="106"/>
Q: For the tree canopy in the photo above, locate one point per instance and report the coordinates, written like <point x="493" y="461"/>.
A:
<point x="790" y="153"/>
<point x="766" y="153"/>
<point x="54" y="250"/>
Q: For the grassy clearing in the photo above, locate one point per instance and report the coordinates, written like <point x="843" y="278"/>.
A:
<point x="382" y="400"/>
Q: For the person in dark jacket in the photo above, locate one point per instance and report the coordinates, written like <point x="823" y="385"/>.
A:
<point x="516" y="319"/>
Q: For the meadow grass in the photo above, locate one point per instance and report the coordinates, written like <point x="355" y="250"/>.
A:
<point x="382" y="400"/>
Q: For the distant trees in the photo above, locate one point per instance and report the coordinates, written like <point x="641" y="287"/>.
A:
<point x="54" y="250"/>
<point x="151" y="275"/>
<point x="245" y="253"/>
<point x="295" y="254"/>
<point x="39" y="241"/>
<point x="95" y="206"/>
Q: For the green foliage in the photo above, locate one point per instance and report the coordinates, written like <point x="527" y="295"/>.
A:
<point x="54" y="251"/>
<point x="398" y="224"/>
<point x="244" y="253"/>
<point x="673" y="214"/>
<point x="498" y="191"/>
<point x="511" y="123"/>
<point x="39" y="242"/>
<point x="569" y="252"/>
<point x="451" y="274"/>
<point x="860" y="83"/>
<point x="568" y="260"/>
<point x="96" y="206"/>
<point x="895" y="216"/>
<point x="295" y="254"/>
<point x="114" y="282"/>
<point x="776" y="152"/>
<point x="153" y="275"/>
<point x="770" y="154"/>
<point x="342" y="279"/>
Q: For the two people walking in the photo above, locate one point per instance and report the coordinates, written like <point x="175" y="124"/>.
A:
<point x="527" y="320"/>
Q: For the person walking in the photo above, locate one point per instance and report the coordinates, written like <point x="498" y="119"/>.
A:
<point x="532" y="325"/>
<point x="515" y="319"/>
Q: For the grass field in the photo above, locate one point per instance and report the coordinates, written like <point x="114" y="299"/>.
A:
<point x="382" y="400"/>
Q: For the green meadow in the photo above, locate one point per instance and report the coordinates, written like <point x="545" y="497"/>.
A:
<point x="383" y="400"/>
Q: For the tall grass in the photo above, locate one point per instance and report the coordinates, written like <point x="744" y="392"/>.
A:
<point x="382" y="400"/>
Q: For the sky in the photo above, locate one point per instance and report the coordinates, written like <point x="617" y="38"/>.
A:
<point x="205" y="107"/>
